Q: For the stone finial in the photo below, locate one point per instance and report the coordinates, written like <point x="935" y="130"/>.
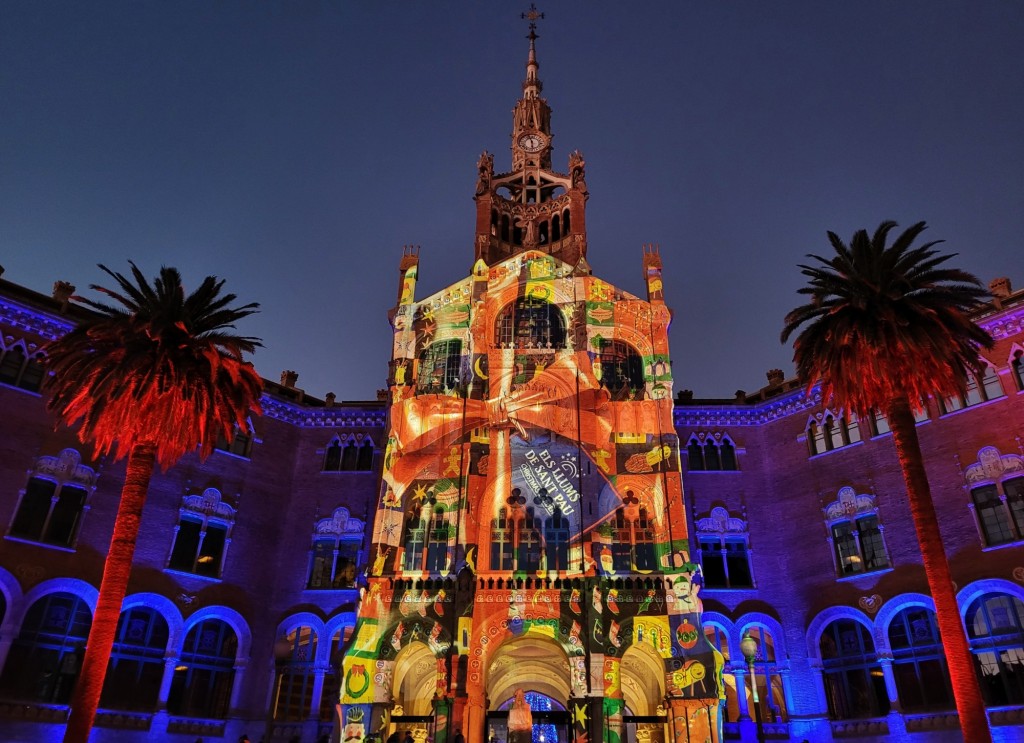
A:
<point x="62" y="290"/>
<point x="289" y="378"/>
<point x="684" y="396"/>
<point x="1000" y="287"/>
<point x="741" y="395"/>
<point x="1" y="270"/>
<point x="382" y="395"/>
<point x="329" y="399"/>
<point x="775" y="377"/>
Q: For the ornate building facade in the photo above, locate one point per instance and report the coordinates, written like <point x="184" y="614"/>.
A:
<point x="531" y="534"/>
<point x="509" y="515"/>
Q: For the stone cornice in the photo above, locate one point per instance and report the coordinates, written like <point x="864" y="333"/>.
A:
<point x="1004" y="324"/>
<point x="337" y="417"/>
<point x="757" y="414"/>
<point x="43" y="324"/>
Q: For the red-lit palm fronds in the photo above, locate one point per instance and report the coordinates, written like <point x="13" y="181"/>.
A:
<point x="152" y="377"/>
<point x="886" y="328"/>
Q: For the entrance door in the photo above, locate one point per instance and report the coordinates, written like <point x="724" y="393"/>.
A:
<point x="549" y="726"/>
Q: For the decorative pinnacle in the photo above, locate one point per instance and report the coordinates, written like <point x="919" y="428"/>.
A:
<point x="532" y="15"/>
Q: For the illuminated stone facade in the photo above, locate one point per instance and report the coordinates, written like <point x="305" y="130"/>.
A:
<point x="518" y="523"/>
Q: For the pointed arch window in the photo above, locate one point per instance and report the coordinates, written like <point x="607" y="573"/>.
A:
<point x="441" y="532"/>
<point x="137" y="661"/>
<point x="919" y="662"/>
<point x="349" y="454"/>
<point x="556" y="541"/>
<point x="240" y="444"/>
<point x="632" y="541"/>
<point x="46" y="656"/>
<point x="205" y="675"/>
<point x="707" y="452"/>
<point x="415" y="541"/>
<point x="54" y="500"/>
<point x="502" y="541"/>
<point x="20" y="369"/>
<point x="854" y="683"/>
<point x="980" y="388"/>
<point x="724" y="550"/>
<point x="203" y="535"/>
<point x="831" y="431"/>
<point x="530" y="543"/>
<point x="531" y="323"/>
<point x="1017" y="369"/>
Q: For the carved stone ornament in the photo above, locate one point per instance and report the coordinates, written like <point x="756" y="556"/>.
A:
<point x="848" y="505"/>
<point x="992" y="465"/>
<point x="1018" y="574"/>
<point x="720" y="522"/>
<point x="870" y="604"/>
<point x="208" y="504"/>
<point x="339" y="523"/>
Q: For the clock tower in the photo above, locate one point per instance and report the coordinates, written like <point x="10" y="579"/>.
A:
<point x="532" y="207"/>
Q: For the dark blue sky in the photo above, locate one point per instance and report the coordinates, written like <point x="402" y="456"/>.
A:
<point x="294" y="147"/>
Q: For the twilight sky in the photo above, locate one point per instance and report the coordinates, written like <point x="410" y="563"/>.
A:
<point x="294" y="147"/>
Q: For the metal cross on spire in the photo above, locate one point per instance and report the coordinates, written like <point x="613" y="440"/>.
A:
<point x="532" y="15"/>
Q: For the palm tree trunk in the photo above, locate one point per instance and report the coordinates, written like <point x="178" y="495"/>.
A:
<point x="116" y="570"/>
<point x="969" y="704"/>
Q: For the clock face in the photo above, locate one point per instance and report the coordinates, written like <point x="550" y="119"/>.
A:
<point x="532" y="142"/>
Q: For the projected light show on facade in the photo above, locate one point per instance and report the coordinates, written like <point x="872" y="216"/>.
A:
<point x="531" y="533"/>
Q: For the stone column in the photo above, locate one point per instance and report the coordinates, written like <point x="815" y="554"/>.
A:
<point x="475" y="719"/>
<point x="742" y="689"/>
<point x="236" y="688"/>
<point x="170" y="663"/>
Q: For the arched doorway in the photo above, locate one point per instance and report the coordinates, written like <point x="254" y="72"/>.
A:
<point x="540" y="667"/>
<point x="413" y="686"/>
<point x="642" y="677"/>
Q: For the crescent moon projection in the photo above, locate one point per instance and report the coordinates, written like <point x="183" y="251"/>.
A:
<point x="477" y="369"/>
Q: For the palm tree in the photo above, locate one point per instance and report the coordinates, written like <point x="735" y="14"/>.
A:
<point x="150" y="378"/>
<point x="887" y="327"/>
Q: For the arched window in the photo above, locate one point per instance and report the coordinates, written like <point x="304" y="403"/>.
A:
<point x="832" y="432"/>
<point x="770" y="691"/>
<point x="855" y="533"/>
<point x="349" y="456"/>
<point x="504" y="228"/>
<point x="54" y="500"/>
<point x="1017" y="367"/>
<point x="854" y="684"/>
<point x="632" y="542"/>
<point x="365" y="463"/>
<point x="556" y="232"/>
<point x="531" y="323"/>
<point x="335" y="557"/>
<point x="502" y="541"/>
<point x="979" y="389"/>
<point x="415" y="540"/>
<point x="46" y="656"/>
<point x="556" y="541"/>
<point x="240" y="444"/>
<point x="529" y="547"/>
<point x="20" y="370"/>
<point x="708" y="452"/>
<point x="919" y="662"/>
<point x="622" y="369"/>
<point x="293" y="684"/>
<point x="437" y="548"/>
<point x="566" y="224"/>
<point x="205" y="674"/>
<point x="332" y="457"/>
<point x="724" y="550"/>
<point x="203" y="534"/>
<point x="440" y="367"/>
<point x="995" y="630"/>
<point x="137" y="661"/>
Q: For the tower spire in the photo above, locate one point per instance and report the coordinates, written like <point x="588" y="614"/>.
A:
<point x="532" y="85"/>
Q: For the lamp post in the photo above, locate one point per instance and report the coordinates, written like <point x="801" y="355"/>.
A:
<point x="748" y="646"/>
